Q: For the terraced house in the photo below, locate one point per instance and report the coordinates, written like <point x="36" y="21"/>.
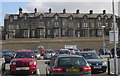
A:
<point x="52" y="25"/>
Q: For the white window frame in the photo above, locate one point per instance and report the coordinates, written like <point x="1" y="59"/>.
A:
<point x="86" y="25"/>
<point x="99" y="25"/>
<point x="41" y="17"/>
<point x="11" y="27"/>
<point x="33" y="33"/>
<point x="25" y="17"/>
<point x="17" y="26"/>
<point x="48" y="31"/>
<point x="56" y="23"/>
<point x="48" y="23"/>
<point x="63" y="32"/>
<point x="11" y="19"/>
<point x="56" y="17"/>
<point x="92" y="24"/>
<point x="56" y="31"/>
<point x="99" y="18"/>
<point x="106" y="24"/>
<point x="71" y="25"/>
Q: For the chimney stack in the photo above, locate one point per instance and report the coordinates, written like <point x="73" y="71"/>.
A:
<point x="91" y="11"/>
<point x="35" y="10"/>
<point x="64" y="10"/>
<point x="104" y="11"/>
<point x="77" y="11"/>
<point x="49" y="10"/>
<point x="20" y="10"/>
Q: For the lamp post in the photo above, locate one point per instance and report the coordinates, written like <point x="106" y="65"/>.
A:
<point x="103" y="39"/>
<point x="115" y="55"/>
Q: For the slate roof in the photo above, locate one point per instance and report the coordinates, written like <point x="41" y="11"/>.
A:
<point x="74" y="15"/>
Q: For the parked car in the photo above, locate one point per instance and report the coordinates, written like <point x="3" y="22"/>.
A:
<point x="74" y="51"/>
<point x="37" y="54"/>
<point x="49" y="54"/>
<point x="24" y="61"/>
<point x="8" y="55"/>
<point x="117" y="51"/>
<point x="89" y="49"/>
<point x="64" y="51"/>
<point x="70" y="65"/>
<point x="2" y="62"/>
<point x="95" y="61"/>
<point x="104" y="52"/>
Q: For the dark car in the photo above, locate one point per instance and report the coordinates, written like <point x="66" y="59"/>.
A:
<point x="68" y="65"/>
<point x="117" y="51"/>
<point x="24" y="62"/>
<point x="104" y="52"/>
<point x="89" y="49"/>
<point x="95" y="61"/>
<point x="8" y="55"/>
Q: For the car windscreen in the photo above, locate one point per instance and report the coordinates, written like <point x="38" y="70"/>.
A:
<point x="36" y="51"/>
<point x="7" y="52"/>
<point x="24" y="55"/>
<point x="90" y="56"/>
<point x="71" y="61"/>
<point x="50" y="51"/>
<point x="64" y="52"/>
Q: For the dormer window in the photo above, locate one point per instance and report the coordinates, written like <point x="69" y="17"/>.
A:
<point x="25" y="17"/>
<point x="106" y="17"/>
<point x="71" y="17"/>
<point x="56" y="17"/>
<point x="11" y="19"/>
<point x="85" y="18"/>
<point x="99" y="18"/>
<point x="41" y="17"/>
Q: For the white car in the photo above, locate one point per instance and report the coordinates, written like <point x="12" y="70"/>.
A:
<point x="49" y="54"/>
<point x="64" y="51"/>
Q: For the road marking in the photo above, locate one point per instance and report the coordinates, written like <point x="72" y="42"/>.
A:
<point x="38" y="71"/>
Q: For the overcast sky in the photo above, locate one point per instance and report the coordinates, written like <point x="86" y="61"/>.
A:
<point x="12" y="6"/>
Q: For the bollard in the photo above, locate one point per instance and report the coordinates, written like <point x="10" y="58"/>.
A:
<point x="108" y="61"/>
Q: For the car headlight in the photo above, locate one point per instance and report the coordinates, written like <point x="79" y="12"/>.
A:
<point x="105" y="63"/>
<point x="89" y="64"/>
<point x="34" y="63"/>
<point x="13" y="63"/>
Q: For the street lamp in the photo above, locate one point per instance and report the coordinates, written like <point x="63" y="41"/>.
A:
<point x="103" y="39"/>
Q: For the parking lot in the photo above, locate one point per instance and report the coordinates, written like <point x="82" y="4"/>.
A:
<point x="41" y="68"/>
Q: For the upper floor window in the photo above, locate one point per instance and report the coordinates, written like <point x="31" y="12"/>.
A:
<point x="41" y="17"/>
<point x="99" y="25"/>
<point x="17" y="26"/>
<point x="99" y="18"/>
<point x="56" y="17"/>
<point x="48" y="31"/>
<point x="11" y="19"/>
<point x="48" y="24"/>
<point x="92" y="25"/>
<point x="71" y="17"/>
<point x="63" y="23"/>
<point x="86" y="25"/>
<point x="85" y="17"/>
<point x="78" y="25"/>
<point x="56" y="24"/>
<point x="106" y="25"/>
<point x="71" y="25"/>
<point x="41" y="23"/>
<point x="63" y="32"/>
<point x="33" y="33"/>
<point x="10" y="27"/>
<point x="25" y="17"/>
<point x="106" y="17"/>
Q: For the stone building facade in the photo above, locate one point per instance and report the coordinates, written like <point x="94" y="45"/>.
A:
<point x="52" y="25"/>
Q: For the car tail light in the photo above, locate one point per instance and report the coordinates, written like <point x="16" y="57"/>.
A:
<point x="57" y="69"/>
<point x="86" y="68"/>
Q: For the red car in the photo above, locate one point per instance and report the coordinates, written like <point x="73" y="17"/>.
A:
<point x="24" y="62"/>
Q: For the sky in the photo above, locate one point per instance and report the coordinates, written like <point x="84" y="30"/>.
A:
<point x="12" y="6"/>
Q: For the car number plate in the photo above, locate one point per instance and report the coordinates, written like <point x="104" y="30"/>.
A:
<point x="22" y="68"/>
<point x="97" y="67"/>
<point x="73" y="69"/>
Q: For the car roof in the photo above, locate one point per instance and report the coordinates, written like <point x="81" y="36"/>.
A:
<point x="24" y="51"/>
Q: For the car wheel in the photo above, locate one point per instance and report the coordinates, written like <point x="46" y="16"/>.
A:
<point x="34" y="72"/>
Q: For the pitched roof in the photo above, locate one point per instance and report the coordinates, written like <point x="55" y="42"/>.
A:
<point x="74" y="15"/>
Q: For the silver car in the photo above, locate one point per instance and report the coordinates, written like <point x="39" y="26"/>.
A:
<point x="37" y="54"/>
<point x="49" y="54"/>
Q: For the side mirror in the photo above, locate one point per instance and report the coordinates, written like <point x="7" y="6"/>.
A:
<point x="47" y="62"/>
